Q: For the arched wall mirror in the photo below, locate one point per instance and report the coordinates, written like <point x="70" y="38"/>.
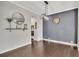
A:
<point x="18" y="19"/>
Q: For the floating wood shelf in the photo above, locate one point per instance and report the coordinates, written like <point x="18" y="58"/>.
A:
<point x="16" y="29"/>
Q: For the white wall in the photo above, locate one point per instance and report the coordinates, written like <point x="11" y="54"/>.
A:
<point x="16" y="38"/>
<point x="40" y="29"/>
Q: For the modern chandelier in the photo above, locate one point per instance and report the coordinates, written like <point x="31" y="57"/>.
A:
<point x="45" y="15"/>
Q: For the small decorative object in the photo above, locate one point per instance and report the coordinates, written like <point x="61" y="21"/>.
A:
<point x="35" y="25"/>
<point x="9" y="21"/>
<point x="56" y="20"/>
<point x="25" y="27"/>
<point x="32" y="27"/>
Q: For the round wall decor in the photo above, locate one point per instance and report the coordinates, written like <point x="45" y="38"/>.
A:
<point x="56" y="20"/>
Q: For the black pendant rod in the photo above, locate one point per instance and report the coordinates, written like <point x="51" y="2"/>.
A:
<point x="45" y="2"/>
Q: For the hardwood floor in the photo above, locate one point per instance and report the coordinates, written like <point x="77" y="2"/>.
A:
<point x="43" y="49"/>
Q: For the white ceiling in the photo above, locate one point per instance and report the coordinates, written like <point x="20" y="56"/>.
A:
<point x="53" y="7"/>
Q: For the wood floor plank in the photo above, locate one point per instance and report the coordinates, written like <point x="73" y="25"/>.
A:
<point x="43" y="49"/>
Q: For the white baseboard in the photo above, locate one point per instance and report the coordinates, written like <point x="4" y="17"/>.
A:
<point x="61" y="42"/>
<point x="78" y="48"/>
<point x="15" y="48"/>
<point x="38" y="39"/>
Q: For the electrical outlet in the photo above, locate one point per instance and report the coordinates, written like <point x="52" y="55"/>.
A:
<point x="48" y="41"/>
<point x="71" y="42"/>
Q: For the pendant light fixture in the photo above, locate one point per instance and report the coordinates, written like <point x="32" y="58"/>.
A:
<point x="45" y="15"/>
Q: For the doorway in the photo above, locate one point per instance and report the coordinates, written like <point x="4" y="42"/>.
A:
<point x="33" y="30"/>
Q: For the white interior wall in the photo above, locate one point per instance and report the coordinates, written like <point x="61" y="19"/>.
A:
<point x="16" y="38"/>
<point x="78" y="26"/>
<point x="40" y="29"/>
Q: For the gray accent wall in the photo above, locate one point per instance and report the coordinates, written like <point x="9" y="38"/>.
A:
<point x="65" y="30"/>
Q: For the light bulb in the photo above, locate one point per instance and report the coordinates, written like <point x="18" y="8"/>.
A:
<point x="46" y="18"/>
